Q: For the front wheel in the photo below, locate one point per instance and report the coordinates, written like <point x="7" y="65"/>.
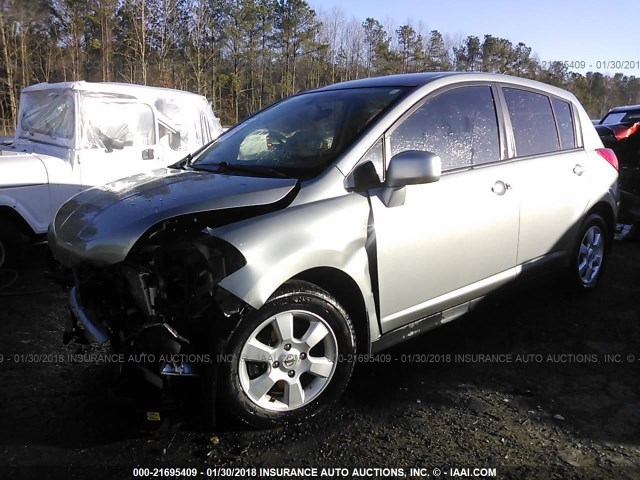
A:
<point x="288" y="359"/>
<point x="11" y="244"/>
<point x="589" y="254"/>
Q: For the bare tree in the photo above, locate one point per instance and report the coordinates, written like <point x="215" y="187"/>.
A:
<point x="166" y="23"/>
<point x="138" y="9"/>
<point x="8" y="59"/>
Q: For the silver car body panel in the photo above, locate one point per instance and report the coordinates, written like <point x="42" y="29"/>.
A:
<point x="448" y="235"/>
<point x="102" y="224"/>
<point x="324" y="227"/>
<point x="452" y="304"/>
<point x="25" y="186"/>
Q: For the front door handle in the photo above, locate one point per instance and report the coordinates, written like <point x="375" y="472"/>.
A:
<point x="500" y="187"/>
<point x="579" y="169"/>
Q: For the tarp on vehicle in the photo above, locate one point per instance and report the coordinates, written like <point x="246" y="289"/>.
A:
<point x="85" y="115"/>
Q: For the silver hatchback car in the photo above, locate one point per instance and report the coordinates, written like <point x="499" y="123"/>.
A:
<point x="335" y="224"/>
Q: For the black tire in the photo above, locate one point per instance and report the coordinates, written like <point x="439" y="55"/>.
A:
<point x="589" y="255"/>
<point x="11" y="245"/>
<point x="306" y="303"/>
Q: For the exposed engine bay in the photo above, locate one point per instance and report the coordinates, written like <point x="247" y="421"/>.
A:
<point x="162" y="307"/>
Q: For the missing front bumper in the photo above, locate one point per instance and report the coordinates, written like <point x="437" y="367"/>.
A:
<point x="83" y="324"/>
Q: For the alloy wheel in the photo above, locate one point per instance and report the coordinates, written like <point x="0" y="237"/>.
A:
<point x="590" y="255"/>
<point x="288" y="360"/>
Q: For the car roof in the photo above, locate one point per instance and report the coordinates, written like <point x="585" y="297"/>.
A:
<point x="399" y="80"/>
<point x="416" y="80"/>
<point x="111" y="88"/>
<point x="624" y="108"/>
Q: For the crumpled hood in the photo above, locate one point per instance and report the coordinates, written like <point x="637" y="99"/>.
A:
<point x="18" y="169"/>
<point x="101" y="225"/>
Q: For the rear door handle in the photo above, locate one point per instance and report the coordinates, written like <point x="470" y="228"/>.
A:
<point x="500" y="187"/>
<point x="579" y="169"/>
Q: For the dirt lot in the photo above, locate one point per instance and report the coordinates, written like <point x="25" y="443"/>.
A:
<point x="538" y="385"/>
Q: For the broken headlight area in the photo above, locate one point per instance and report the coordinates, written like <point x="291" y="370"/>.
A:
<point x="162" y="308"/>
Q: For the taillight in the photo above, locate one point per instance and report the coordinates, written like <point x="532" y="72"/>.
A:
<point x="609" y="155"/>
<point x="621" y="132"/>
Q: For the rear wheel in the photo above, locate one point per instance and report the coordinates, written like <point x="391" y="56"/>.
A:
<point x="589" y="254"/>
<point x="289" y="359"/>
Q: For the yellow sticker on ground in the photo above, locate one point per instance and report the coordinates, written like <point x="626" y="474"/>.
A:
<point x="153" y="416"/>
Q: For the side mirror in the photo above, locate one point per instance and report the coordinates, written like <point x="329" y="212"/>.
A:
<point x="413" y="167"/>
<point x="175" y="140"/>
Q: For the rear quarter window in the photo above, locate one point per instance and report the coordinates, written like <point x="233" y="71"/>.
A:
<point x="566" y="128"/>
<point x="534" y="127"/>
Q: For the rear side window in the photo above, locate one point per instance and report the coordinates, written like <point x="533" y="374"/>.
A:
<point x="564" y="118"/>
<point x="534" y="127"/>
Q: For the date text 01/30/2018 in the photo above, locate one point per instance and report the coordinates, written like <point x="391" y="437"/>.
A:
<point x="598" y="64"/>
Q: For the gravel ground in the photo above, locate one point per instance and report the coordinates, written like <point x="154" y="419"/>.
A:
<point x="538" y="384"/>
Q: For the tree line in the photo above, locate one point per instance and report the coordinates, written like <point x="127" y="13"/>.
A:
<point x="245" y="54"/>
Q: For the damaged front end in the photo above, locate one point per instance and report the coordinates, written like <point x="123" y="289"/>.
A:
<point x="147" y="263"/>
<point x="162" y="308"/>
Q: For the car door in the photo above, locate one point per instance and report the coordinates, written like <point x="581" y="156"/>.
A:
<point x="453" y="240"/>
<point x="551" y="177"/>
<point x="120" y="139"/>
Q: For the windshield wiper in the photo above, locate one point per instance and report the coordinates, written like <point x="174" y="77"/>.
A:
<point x="224" y="167"/>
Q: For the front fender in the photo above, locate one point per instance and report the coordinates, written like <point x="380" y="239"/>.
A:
<point x="31" y="203"/>
<point x="280" y="245"/>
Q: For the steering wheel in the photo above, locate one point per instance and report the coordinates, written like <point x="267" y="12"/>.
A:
<point x="276" y="137"/>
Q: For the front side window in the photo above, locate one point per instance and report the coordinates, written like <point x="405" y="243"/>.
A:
<point x="178" y="127"/>
<point x="301" y="135"/>
<point x="459" y="125"/>
<point x="114" y="123"/>
<point x="534" y="127"/>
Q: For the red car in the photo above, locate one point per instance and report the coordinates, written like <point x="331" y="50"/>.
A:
<point x="620" y="131"/>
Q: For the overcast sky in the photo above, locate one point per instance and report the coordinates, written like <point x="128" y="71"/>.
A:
<point x="589" y="31"/>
